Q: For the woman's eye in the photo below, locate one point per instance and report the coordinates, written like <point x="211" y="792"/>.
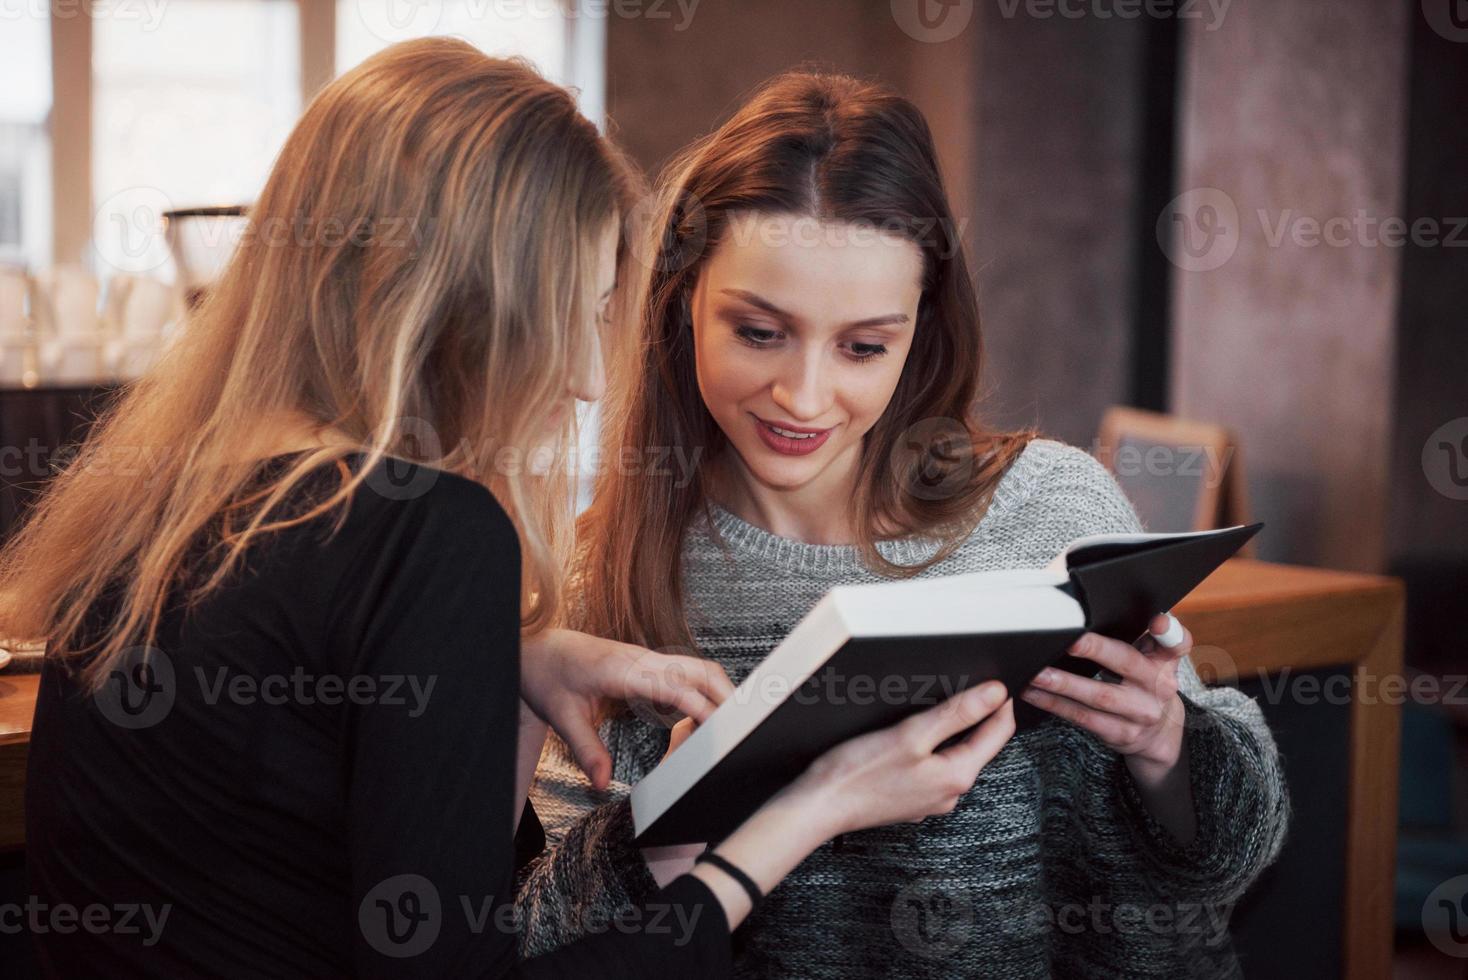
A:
<point x="756" y="336"/>
<point x="865" y="352"/>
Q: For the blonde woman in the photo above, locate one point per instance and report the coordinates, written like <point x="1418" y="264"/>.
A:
<point x="287" y="717"/>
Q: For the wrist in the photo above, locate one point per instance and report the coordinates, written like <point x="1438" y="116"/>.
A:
<point x="538" y="670"/>
<point x="771" y="843"/>
<point x="667" y="863"/>
<point x="1157" y="766"/>
<point x="812" y="810"/>
<point x="1166" y="793"/>
<point x="531" y="724"/>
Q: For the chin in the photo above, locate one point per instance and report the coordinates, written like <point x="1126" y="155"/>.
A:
<point x="779" y="473"/>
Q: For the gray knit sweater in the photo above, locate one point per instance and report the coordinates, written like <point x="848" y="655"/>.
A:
<point x="1049" y="866"/>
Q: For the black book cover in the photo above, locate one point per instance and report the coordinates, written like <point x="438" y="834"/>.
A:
<point x="1122" y="587"/>
<point x="873" y="682"/>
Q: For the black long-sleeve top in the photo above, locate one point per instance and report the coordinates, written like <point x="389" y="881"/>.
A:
<point x="313" y="773"/>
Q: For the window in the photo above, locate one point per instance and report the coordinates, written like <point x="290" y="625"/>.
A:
<point x="534" y="29"/>
<point x="25" y="147"/>
<point x="188" y="111"/>
<point x="564" y="39"/>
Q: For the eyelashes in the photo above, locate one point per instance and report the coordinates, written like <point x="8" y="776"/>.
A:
<point x="761" y="338"/>
<point x="756" y="337"/>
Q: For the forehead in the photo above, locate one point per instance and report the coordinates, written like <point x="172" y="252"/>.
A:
<point x="819" y="270"/>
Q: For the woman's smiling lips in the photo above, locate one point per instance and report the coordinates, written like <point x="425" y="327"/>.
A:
<point x="790" y="440"/>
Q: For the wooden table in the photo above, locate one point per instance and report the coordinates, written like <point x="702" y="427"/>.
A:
<point x="17" y="704"/>
<point x="1249" y="617"/>
<point x="1257" y="618"/>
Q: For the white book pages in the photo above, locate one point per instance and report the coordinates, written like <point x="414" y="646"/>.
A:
<point x="959" y="605"/>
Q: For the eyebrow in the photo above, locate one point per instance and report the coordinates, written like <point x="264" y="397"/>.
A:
<point x="754" y="299"/>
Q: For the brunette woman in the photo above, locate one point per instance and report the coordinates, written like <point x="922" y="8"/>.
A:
<point x="809" y="331"/>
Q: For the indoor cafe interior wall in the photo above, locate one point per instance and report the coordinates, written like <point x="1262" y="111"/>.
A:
<point x="1038" y="164"/>
<point x="1293" y="109"/>
<point x="1298" y="112"/>
<point x="670" y="80"/>
<point x="1055" y="177"/>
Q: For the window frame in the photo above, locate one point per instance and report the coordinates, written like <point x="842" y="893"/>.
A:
<point x="72" y="200"/>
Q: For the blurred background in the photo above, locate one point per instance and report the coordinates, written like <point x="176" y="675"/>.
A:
<point x="1240" y="225"/>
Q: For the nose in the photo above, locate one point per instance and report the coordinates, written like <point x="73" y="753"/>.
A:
<point x="802" y="389"/>
<point x="589" y="376"/>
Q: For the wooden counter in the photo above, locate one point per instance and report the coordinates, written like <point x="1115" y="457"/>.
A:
<point x="1248" y="617"/>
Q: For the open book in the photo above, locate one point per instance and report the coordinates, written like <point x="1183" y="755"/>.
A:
<point x="867" y="656"/>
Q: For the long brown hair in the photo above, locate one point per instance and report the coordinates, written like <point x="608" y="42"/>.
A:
<point x="838" y="149"/>
<point x="416" y="276"/>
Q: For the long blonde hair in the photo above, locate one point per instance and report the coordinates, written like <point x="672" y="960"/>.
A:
<point x="420" y="261"/>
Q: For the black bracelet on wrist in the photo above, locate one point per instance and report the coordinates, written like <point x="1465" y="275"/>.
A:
<point x="744" y="880"/>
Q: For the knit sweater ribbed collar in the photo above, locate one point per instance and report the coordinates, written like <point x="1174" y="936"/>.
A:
<point x="839" y="560"/>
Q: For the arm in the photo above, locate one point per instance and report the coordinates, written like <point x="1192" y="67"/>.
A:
<point x="893" y="775"/>
<point x="1197" y="775"/>
<point x="570" y="679"/>
<point x="594" y="867"/>
<point x="1239" y="797"/>
<point x="431" y="797"/>
<point x="594" y="871"/>
<point x="531" y="741"/>
<point x="898" y="774"/>
<point x="1194" y="771"/>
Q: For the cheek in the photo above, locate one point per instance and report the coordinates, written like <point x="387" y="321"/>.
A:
<point x="867" y="390"/>
<point x="727" y="375"/>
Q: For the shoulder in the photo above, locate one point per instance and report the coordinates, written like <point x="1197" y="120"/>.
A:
<point x="405" y="520"/>
<point x="1046" y="463"/>
<point x="1063" y="492"/>
<point x="424" y="560"/>
<point x="449" y="508"/>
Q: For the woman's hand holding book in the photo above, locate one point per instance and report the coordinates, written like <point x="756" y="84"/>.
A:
<point x="1139" y="715"/>
<point x="895" y="775"/>
<point x="903" y="773"/>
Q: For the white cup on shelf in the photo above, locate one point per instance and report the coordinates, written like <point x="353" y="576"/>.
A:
<point x="148" y="316"/>
<point x="64" y="303"/>
<point x="74" y="360"/>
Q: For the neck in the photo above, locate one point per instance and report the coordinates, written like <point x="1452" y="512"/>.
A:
<point x="818" y="512"/>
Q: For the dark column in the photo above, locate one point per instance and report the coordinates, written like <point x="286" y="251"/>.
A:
<point x="1285" y="298"/>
